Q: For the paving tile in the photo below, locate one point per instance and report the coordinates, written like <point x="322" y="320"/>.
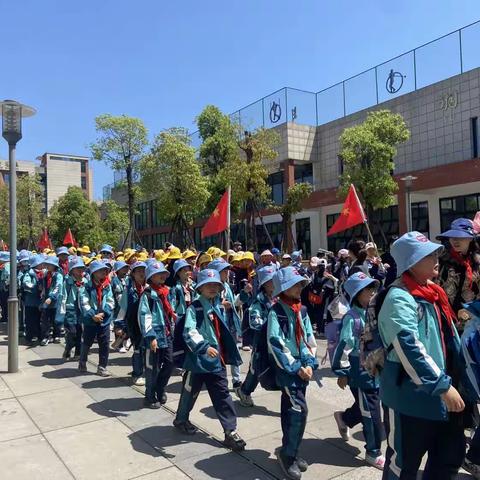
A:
<point x="363" y="473"/>
<point x="5" y="392"/>
<point x="14" y="421"/>
<point x="24" y="359"/>
<point x="106" y="449"/>
<point x="27" y="458"/>
<point x="172" y="473"/>
<point x="66" y="407"/>
<point x="34" y="380"/>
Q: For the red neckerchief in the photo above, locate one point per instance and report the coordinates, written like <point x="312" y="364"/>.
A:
<point x="39" y="274"/>
<point x="162" y="292"/>
<point x="296" y="306"/>
<point x="216" y="326"/>
<point x="49" y="279"/>
<point x="435" y="295"/>
<point x="2" y="266"/>
<point x="139" y="288"/>
<point x="465" y="262"/>
<point x="99" y="288"/>
<point x="64" y="266"/>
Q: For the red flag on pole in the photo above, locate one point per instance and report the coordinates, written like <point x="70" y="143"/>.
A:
<point x="69" y="239"/>
<point x="219" y="220"/>
<point x="352" y="213"/>
<point x="44" y="241"/>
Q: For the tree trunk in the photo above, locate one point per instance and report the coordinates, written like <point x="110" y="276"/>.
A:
<point x="288" y="234"/>
<point x="131" y="203"/>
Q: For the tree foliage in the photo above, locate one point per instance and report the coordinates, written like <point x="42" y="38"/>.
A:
<point x="74" y="211"/>
<point x="114" y="223"/>
<point x="368" y="151"/>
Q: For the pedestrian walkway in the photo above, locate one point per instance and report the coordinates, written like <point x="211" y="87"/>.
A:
<point x="58" y="424"/>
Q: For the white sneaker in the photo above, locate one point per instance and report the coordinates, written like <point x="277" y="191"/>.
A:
<point x="245" y="400"/>
<point x="343" y="430"/>
<point x="246" y="348"/>
<point x="139" y="381"/>
<point x="122" y="349"/>
<point x="377" y="462"/>
<point x="472" y="468"/>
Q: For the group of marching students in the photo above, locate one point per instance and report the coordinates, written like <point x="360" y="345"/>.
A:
<point x="402" y="332"/>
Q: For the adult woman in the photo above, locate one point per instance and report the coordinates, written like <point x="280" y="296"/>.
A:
<point x="358" y="256"/>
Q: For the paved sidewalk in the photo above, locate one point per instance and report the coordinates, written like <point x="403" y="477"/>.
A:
<point x="59" y="424"/>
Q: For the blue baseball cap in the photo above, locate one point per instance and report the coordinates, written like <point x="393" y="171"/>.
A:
<point x="150" y="261"/>
<point x="119" y="264"/>
<point x="109" y="263"/>
<point x="106" y="249"/>
<point x="51" y="260"/>
<point x="137" y="265"/>
<point x="410" y="248"/>
<point x="75" y="262"/>
<point x="62" y="251"/>
<point x="473" y="307"/>
<point x="265" y="274"/>
<point x="219" y="264"/>
<point x="286" y="278"/>
<point x="37" y="260"/>
<point x="97" y="265"/>
<point x="23" y="256"/>
<point x="356" y="283"/>
<point x="459" y="228"/>
<point x="275" y="251"/>
<point x="4" y="257"/>
<point x="179" y="264"/>
<point x="157" y="267"/>
<point x="296" y="255"/>
<point x="209" y="275"/>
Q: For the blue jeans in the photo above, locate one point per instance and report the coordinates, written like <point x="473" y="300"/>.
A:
<point x="158" y="369"/>
<point x="103" y="338"/>
<point x="293" y="411"/>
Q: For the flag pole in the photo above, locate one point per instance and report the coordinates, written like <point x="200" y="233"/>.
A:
<point x="370" y="236"/>
<point x="228" y="217"/>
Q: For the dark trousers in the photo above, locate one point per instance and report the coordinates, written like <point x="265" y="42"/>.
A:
<point x="4" y="305"/>
<point x="366" y="410"/>
<point x="247" y="332"/>
<point x="138" y="360"/>
<point x="294" y="412"/>
<point x="410" y="438"/>
<point x="474" y="451"/>
<point x="251" y="380"/>
<point x="217" y="387"/>
<point x="73" y="338"/>
<point x="48" y="324"/>
<point x="103" y="338"/>
<point x="32" y="323"/>
<point x="158" y="370"/>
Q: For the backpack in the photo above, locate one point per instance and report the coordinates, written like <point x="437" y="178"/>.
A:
<point x="332" y="333"/>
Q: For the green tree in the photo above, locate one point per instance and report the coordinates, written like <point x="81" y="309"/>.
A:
<point x="74" y="211"/>
<point x="296" y="196"/>
<point x="171" y="175"/>
<point x="121" y="143"/>
<point x="368" y="151"/>
<point x="4" y="213"/>
<point x="114" y="222"/>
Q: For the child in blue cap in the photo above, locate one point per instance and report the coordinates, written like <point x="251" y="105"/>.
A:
<point x="97" y="303"/>
<point x="4" y="284"/>
<point x="156" y="320"/>
<point x="119" y="282"/>
<point x="359" y="289"/>
<point x="51" y="288"/>
<point x="68" y="310"/>
<point x="32" y="281"/>
<point x="23" y="260"/>
<point x="211" y="347"/>
<point x="422" y="371"/>
<point x="257" y="314"/>
<point x="292" y="344"/>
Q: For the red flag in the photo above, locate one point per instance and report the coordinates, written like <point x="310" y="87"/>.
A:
<point x="218" y="221"/>
<point x="69" y="239"/>
<point x="352" y="213"/>
<point x="44" y="241"/>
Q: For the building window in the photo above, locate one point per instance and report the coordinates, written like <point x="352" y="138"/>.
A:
<point x="83" y="182"/>
<point x="420" y="220"/>
<point x="463" y="206"/>
<point x="83" y="166"/>
<point x="303" y="236"/>
<point x="203" y="244"/>
<point x="304" y="173"/>
<point x="383" y="220"/>
<point x="142" y="218"/>
<point x="275" y="180"/>
<point x="275" y="230"/>
<point x="475" y="136"/>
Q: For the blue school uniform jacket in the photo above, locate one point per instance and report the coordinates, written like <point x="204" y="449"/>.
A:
<point x="68" y="305"/>
<point x="31" y="289"/>
<point x="288" y="357"/>
<point x="90" y="307"/>
<point x="5" y="277"/>
<point x="152" y="319"/>
<point x="118" y="287"/>
<point x="346" y="358"/>
<point x="233" y="318"/>
<point x="414" y="374"/>
<point x="177" y="298"/>
<point x="55" y="288"/>
<point x="199" y="335"/>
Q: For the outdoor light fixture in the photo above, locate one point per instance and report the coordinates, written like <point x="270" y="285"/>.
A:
<point x="12" y="113"/>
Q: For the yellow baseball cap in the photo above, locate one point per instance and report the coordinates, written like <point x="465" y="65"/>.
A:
<point x="248" y="256"/>
<point x="188" y="254"/>
<point x="174" y="253"/>
<point x="204" y="258"/>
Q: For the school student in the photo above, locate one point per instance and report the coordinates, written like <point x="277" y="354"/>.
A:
<point x="119" y="282"/>
<point x="68" y="309"/>
<point x="258" y="314"/>
<point x="211" y="347"/>
<point x="4" y="284"/>
<point x="359" y="289"/>
<point x="156" y="324"/>
<point x="292" y="344"/>
<point x="97" y="303"/>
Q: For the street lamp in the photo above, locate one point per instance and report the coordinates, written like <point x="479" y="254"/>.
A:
<point x="409" y="179"/>
<point x="12" y="113"/>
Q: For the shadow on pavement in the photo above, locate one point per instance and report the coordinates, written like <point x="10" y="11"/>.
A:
<point x="117" y="406"/>
<point x="43" y="362"/>
<point x="311" y="450"/>
<point x="247" y="412"/>
<point x="68" y="372"/>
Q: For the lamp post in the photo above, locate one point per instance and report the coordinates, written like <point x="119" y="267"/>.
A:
<point x="12" y="113"/>
<point x="409" y="179"/>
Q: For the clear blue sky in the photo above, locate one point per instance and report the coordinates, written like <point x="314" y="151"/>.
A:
<point x="163" y="61"/>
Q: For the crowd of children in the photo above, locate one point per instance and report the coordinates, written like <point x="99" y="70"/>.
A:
<point x="195" y="311"/>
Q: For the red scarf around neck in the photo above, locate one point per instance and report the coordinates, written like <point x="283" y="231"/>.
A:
<point x="465" y="262"/>
<point x="216" y="326"/>
<point x="99" y="287"/>
<point x="296" y="306"/>
<point x="162" y="292"/>
<point x="49" y="279"/>
<point x="139" y="288"/>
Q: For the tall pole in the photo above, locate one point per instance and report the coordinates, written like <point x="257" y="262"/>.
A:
<point x="409" y="207"/>
<point x="12" y="298"/>
<point x="228" y="217"/>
